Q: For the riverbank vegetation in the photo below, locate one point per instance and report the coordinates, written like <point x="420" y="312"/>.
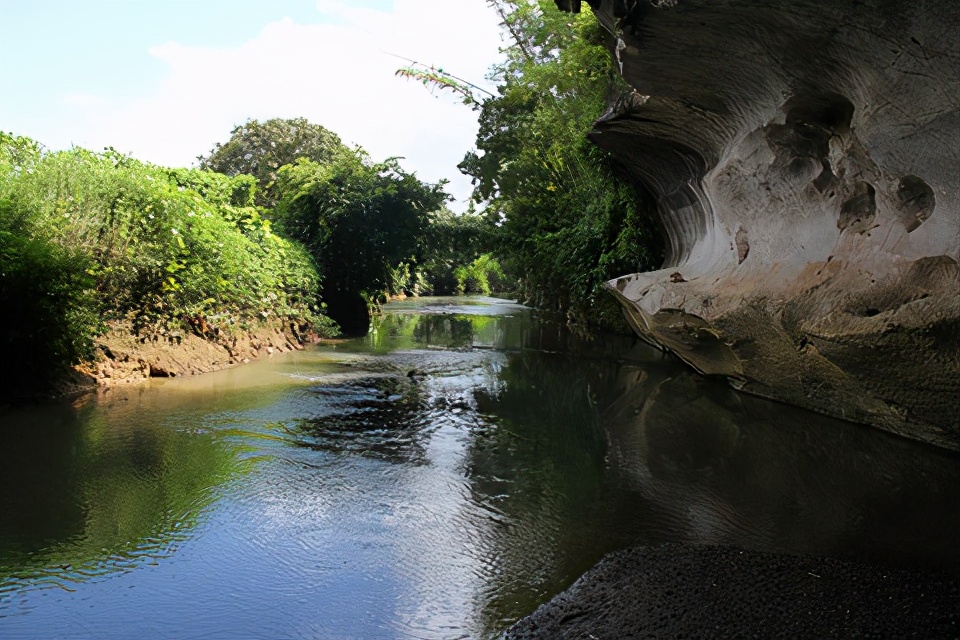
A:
<point x="565" y="222"/>
<point x="88" y="239"/>
<point x="308" y="231"/>
<point x="568" y="223"/>
<point x="283" y="224"/>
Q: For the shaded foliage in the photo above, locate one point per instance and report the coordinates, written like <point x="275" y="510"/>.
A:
<point x="362" y="222"/>
<point x="50" y="312"/>
<point x="451" y="244"/>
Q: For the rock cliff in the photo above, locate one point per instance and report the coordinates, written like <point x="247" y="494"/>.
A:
<point x="805" y="158"/>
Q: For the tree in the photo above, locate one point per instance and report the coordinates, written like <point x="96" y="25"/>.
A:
<point x="361" y="221"/>
<point x="451" y="244"/>
<point x="261" y="148"/>
<point x="90" y="238"/>
<point x="567" y="223"/>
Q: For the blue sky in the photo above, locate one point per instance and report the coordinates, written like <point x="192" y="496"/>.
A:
<point x="166" y="79"/>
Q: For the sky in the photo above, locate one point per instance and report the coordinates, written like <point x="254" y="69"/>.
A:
<point x="164" y="80"/>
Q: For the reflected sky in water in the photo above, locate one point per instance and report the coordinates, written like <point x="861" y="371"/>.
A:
<point x="437" y="479"/>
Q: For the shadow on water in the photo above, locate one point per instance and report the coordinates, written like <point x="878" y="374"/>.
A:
<point x="440" y="477"/>
<point x="380" y="417"/>
<point x="584" y="457"/>
<point x="737" y="470"/>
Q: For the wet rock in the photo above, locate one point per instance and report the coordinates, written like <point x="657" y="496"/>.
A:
<point x="676" y="591"/>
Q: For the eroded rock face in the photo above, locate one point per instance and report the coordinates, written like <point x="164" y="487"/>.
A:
<point x="806" y="161"/>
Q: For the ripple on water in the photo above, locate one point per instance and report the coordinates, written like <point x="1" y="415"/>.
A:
<point x="411" y="485"/>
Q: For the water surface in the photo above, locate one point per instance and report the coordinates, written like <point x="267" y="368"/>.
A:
<point x="439" y="478"/>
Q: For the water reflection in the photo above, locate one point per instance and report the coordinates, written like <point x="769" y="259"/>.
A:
<point x="84" y="495"/>
<point x="738" y="470"/>
<point x="381" y="417"/>
<point x="439" y="478"/>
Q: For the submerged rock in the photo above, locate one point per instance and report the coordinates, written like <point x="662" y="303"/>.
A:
<point x="805" y="158"/>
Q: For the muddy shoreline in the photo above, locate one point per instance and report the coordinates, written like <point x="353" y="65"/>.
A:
<point x="681" y="591"/>
<point x="124" y="358"/>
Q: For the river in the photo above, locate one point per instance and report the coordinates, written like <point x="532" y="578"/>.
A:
<point x="438" y="478"/>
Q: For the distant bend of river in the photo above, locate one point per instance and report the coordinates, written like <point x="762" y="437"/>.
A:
<point x="439" y="478"/>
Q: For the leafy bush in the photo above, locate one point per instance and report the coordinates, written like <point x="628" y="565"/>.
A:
<point x="51" y="312"/>
<point x="100" y="235"/>
<point x="362" y="222"/>
<point x="477" y="276"/>
<point x="450" y="244"/>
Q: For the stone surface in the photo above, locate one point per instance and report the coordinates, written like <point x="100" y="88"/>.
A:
<point x="805" y="157"/>
<point x="675" y="591"/>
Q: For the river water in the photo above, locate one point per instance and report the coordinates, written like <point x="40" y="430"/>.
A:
<point x="439" y="478"/>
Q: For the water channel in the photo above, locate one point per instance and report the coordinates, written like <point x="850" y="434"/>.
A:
<point x="439" y="478"/>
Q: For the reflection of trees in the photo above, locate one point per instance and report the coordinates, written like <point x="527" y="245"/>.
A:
<point x="731" y="469"/>
<point x="382" y="417"/>
<point x="538" y="466"/>
<point x="81" y="495"/>
<point x="446" y="331"/>
<point x="453" y="331"/>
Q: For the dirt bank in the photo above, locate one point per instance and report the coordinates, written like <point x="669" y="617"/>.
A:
<point x="125" y="358"/>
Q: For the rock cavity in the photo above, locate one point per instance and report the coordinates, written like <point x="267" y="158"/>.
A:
<point x="805" y="158"/>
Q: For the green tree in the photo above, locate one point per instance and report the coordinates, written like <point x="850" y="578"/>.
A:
<point x="567" y="223"/>
<point x="259" y="149"/>
<point x="361" y="222"/>
<point x="451" y="243"/>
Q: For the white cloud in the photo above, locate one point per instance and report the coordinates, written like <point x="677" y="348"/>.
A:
<point x="340" y="75"/>
<point x="84" y="100"/>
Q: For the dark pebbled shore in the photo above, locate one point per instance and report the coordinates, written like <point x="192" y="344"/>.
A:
<point x="677" y="591"/>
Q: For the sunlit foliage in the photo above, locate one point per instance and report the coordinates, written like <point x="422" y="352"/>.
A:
<point x="566" y="223"/>
<point x="361" y="221"/>
<point x="259" y="149"/>
<point x="89" y="237"/>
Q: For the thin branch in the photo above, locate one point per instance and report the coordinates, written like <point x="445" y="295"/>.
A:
<point x="417" y="68"/>
<point x="502" y="12"/>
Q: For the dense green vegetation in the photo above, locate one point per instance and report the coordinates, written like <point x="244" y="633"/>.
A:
<point x="285" y="224"/>
<point x="565" y="223"/>
<point x="93" y="240"/>
<point x="373" y="229"/>
<point x="260" y="149"/>
<point x="568" y="223"/>
<point x="89" y="238"/>
<point x="363" y="223"/>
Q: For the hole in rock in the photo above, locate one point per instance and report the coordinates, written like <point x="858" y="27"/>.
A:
<point x="743" y="245"/>
<point x="826" y="109"/>
<point x="858" y="210"/>
<point x="916" y="201"/>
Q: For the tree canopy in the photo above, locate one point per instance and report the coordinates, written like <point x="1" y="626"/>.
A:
<point x="259" y="149"/>
<point x="566" y="222"/>
<point x="362" y="222"/>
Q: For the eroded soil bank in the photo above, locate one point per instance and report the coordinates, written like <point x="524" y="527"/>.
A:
<point x="125" y="358"/>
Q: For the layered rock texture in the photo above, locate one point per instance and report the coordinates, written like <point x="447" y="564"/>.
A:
<point x="805" y="157"/>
